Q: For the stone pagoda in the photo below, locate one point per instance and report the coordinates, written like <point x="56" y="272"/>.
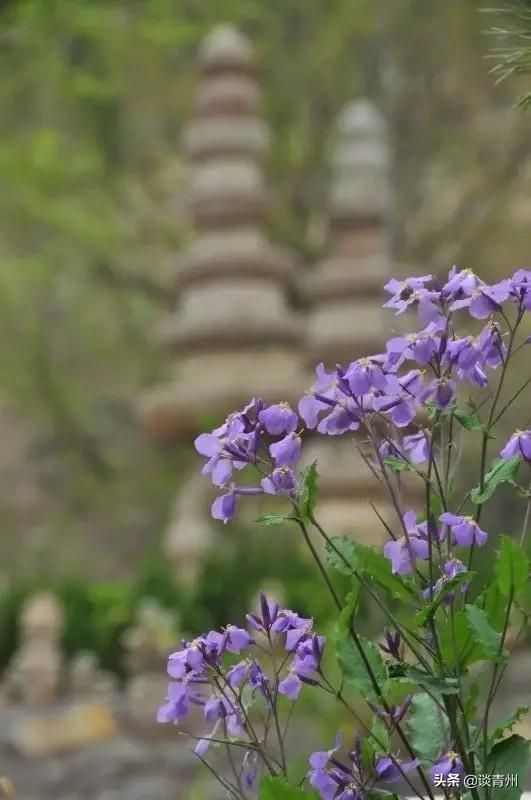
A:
<point x="232" y="334"/>
<point x="344" y="294"/>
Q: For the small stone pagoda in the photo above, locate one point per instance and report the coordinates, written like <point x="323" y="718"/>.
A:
<point x="344" y="293"/>
<point x="232" y="333"/>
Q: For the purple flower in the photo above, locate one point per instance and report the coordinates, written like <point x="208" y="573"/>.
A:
<point x="318" y="775"/>
<point x="520" y="288"/>
<point x="180" y="696"/>
<point x="279" y="418"/>
<point x="290" y="686"/>
<point x="389" y="770"/>
<point x="270" y="611"/>
<point x="293" y="626"/>
<point x="492" y="346"/>
<point x="450" y="569"/>
<point x="224" y="507"/>
<point x="250" y="769"/>
<point x="417" y="445"/>
<point x="464" y="529"/>
<point x="326" y="388"/>
<point x="281" y="481"/>
<point x="287" y="451"/>
<point x="237" y="639"/>
<point x="518" y="445"/>
<point x="449" y="764"/>
<point x="420" y="347"/>
<point x="484" y="300"/>
<point x="460" y="283"/>
<point x="366" y="374"/>
<point x="441" y="391"/>
<point x="402" y="553"/>
<point x="344" y="417"/>
<point x="392" y="644"/>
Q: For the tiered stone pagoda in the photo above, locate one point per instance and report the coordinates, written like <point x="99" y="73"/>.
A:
<point x="344" y="292"/>
<point x="232" y="334"/>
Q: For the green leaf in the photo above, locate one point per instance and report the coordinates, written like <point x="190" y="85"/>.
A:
<point x="348" y="611"/>
<point x="353" y="666"/>
<point x="470" y="704"/>
<point x="509" y="757"/>
<point x="273" y="519"/>
<point x="508" y="723"/>
<point x="308" y="491"/>
<point x="397" y="464"/>
<point x="468" y="419"/>
<point x="458" y="647"/>
<point x="428" y="728"/>
<point x="501" y="471"/>
<point x="511" y="568"/>
<point x="433" y="682"/>
<point x="279" y="789"/>
<point x="483" y="634"/>
<point x="397" y="689"/>
<point x="448" y="586"/>
<point x="343" y="550"/>
<point x="493" y="602"/>
<point x="373" y="563"/>
<point x="380" y="731"/>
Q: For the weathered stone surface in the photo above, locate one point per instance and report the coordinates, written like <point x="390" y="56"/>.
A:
<point x="44" y="734"/>
<point x="241" y="252"/>
<point x="225" y="49"/>
<point x="209" y="386"/>
<point x="35" y="672"/>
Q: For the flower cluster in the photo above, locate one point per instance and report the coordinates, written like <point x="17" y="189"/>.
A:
<point x="204" y="674"/>
<point x="259" y="435"/>
<point x="336" y="780"/>
<point x="404" y="401"/>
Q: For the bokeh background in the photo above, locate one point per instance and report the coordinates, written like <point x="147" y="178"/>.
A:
<point x="94" y="96"/>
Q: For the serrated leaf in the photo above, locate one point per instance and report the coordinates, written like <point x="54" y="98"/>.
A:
<point x="501" y="471"/>
<point x="273" y="519"/>
<point x="428" y="728"/>
<point x="342" y="555"/>
<point x="353" y="666"/>
<point x="433" y="682"/>
<point x="397" y="464"/>
<point x="373" y="563"/>
<point x="468" y="419"/>
<point x="307" y="494"/>
<point x="511" y="568"/>
<point x="483" y="634"/>
<point x="509" y="757"/>
<point x="508" y="723"/>
<point x="279" y="789"/>
<point x="448" y="586"/>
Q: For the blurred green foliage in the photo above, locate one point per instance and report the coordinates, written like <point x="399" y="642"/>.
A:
<point x="92" y="214"/>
